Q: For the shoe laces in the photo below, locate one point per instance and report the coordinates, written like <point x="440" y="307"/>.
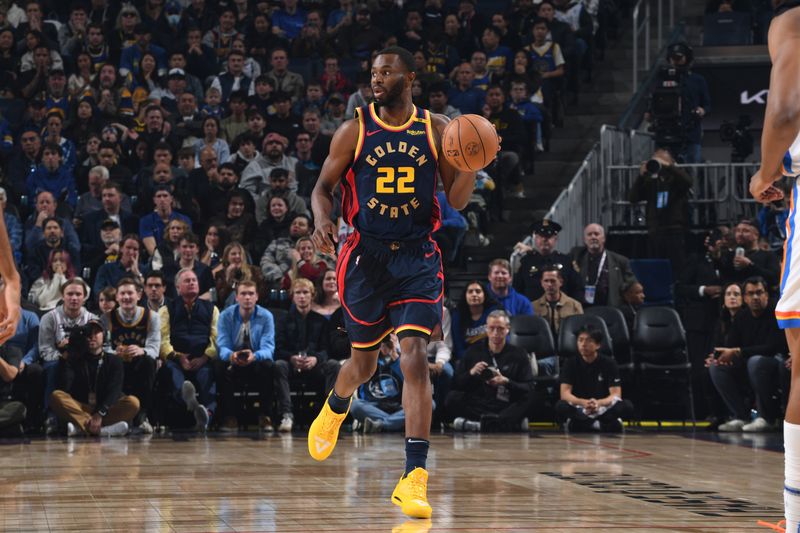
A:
<point x="780" y="526"/>
<point x="418" y="485"/>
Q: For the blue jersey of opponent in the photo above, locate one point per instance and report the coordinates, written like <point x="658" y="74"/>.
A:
<point x="389" y="191"/>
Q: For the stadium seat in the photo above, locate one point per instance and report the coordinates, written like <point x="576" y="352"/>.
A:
<point x="727" y="29"/>
<point x="655" y="275"/>
<point x="532" y="333"/>
<point x="659" y="351"/>
<point x="618" y="332"/>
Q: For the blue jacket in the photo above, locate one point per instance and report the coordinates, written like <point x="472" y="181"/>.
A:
<point x="14" y="228"/>
<point x="450" y="216"/>
<point x="26" y="338"/>
<point x="109" y="274"/>
<point x="469" y="101"/>
<point x="514" y="303"/>
<point x="60" y="183"/>
<point x="262" y="331"/>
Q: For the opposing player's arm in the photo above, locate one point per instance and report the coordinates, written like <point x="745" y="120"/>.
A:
<point x="340" y="157"/>
<point x="458" y="185"/>
<point x="782" y="116"/>
<point x="10" y="292"/>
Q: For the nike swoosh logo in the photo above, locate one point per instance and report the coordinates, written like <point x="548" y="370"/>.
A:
<point x="410" y="441"/>
<point x="371" y="133"/>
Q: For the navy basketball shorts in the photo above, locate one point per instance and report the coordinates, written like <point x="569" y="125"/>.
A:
<point x="385" y="286"/>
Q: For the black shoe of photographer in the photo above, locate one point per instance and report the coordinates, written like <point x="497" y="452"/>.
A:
<point x="612" y="426"/>
<point x="490" y="424"/>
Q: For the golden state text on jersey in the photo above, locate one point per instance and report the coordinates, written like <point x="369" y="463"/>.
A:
<point x="389" y="193"/>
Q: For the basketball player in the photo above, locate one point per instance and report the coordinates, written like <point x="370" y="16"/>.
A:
<point x="782" y="131"/>
<point x="10" y="291"/>
<point x="389" y="270"/>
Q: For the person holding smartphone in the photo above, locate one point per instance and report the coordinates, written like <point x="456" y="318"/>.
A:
<point x="246" y="345"/>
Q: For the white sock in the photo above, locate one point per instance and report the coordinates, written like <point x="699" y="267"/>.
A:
<point x="791" y="484"/>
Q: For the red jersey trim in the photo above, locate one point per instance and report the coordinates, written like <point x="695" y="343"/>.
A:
<point x="388" y="127"/>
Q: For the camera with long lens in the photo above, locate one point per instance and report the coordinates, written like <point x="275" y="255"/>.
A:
<point x="739" y="137"/>
<point x="488" y="373"/>
<point x="653" y="167"/>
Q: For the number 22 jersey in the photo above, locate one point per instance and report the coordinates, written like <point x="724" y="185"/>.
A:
<point x="389" y="192"/>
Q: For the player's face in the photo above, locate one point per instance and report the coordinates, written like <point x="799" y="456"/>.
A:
<point x="389" y="79"/>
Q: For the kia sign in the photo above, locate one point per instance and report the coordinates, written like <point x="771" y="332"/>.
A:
<point x="736" y="89"/>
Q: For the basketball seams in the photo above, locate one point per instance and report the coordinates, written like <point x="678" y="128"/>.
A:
<point x="478" y="135"/>
<point x="460" y="147"/>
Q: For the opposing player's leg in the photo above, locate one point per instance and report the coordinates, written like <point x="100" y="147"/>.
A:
<point x="791" y="437"/>
<point x="411" y="491"/>
<point x="324" y="431"/>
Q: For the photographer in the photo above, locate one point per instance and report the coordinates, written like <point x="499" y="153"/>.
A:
<point x="493" y="383"/>
<point x="246" y="345"/>
<point x="666" y="189"/>
<point x="135" y="335"/>
<point x="89" y="396"/>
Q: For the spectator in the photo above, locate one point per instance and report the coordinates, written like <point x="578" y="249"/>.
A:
<point x="492" y="387"/>
<point x="234" y="79"/>
<point x="151" y="227"/>
<point x="378" y="406"/>
<point x="537" y="252"/>
<point x="469" y="318"/>
<point x="24" y="162"/>
<point x="92" y="200"/>
<point x="359" y="38"/>
<point x="188" y="259"/>
<point x="211" y="130"/>
<point x="452" y="230"/>
<point x="92" y="241"/>
<point x="127" y="266"/>
<point x="757" y="349"/>
<point x="464" y="96"/>
<point x="131" y="57"/>
<point x="333" y="79"/>
<point x="222" y="36"/>
<point x="603" y="272"/>
<point x="54" y="332"/>
<point x="92" y="406"/>
<point x="246" y="344"/>
<point x="13" y="227"/>
<point x="437" y="99"/>
<point x="236" y="122"/>
<point x="111" y="237"/>
<point x="326" y="301"/>
<point x="361" y="97"/>
<point x="320" y="143"/>
<point x="632" y="300"/>
<point x="45" y="292"/>
<point x="46" y="207"/>
<point x="21" y="377"/>
<point x="301" y="350"/>
<point x="273" y="155"/>
<point x="53" y="240"/>
<point x="12" y="412"/>
<point x="747" y="260"/>
<point x="53" y="176"/>
<point x="236" y="269"/>
<point x="246" y="152"/>
<point x="214" y="242"/>
<point x="134" y="333"/>
<point x="554" y="306"/>
<point x="591" y="389"/>
<point x="283" y="80"/>
<point x="283" y="121"/>
<point x="168" y="252"/>
<point x="188" y="343"/>
<point x="498" y="57"/>
<point x="508" y="124"/>
<point x="666" y="188"/>
<point x="307" y="263"/>
<point x="155" y="288"/>
<point x="500" y="290"/>
<point x="307" y="169"/>
<point x="279" y="187"/>
<point x="290" y="20"/>
<point x="238" y="217"/>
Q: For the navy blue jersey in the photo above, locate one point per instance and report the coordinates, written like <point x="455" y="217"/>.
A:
<point x="389" y="191"/>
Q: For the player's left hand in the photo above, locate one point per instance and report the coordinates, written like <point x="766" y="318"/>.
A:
<point x="763" y="190"/>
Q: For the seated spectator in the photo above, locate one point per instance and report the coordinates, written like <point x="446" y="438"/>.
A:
<point x="452" y="230"/>
<point x="532" y="118"/>
<point x="333" y="115"/>
<point x="46" y="207"/>
<point x="255" y="177"/>
<point x="279" y="186"/>
<point x="276" y="261"/>
<point x="214" y="243"/>
<point x="169" y="250"/>
<point x="307" y="263"/>
<point x="12" y="411"/>
<point x="45" y="292"/>
<point x="378" y="405"/>
<point x="756" y="352"/>
<point x="591" y="389"/>
<point x="246" y="345"/>
<point x="53" y="240"/>
<point x="503" y="293"/>
<point x="326" y="301"/>
<point x="111" y="209"/>
<point x="632" y="300"/>
<point x="92" y="406"/>
<point x="188" y="343"/>
<point x="283" y="80"/>
<point x="235" y="269"/>
<point x="134" y="334"/>
<point x="212" y="107"/>
<point x="127" y="266"/>
<point x="603" y="272"/>
<point x="236" y="122"/>
<point x="211" y="131"/>
<point x="493" y="384"/>
<point x="554" y="306"/>
<point x="739" y="265"/>
<point x="333" y="80"/>
<point x="547" y="60"/>
<point x="25" y="385"/>
<point x="245" y="151"/>
<point x="464" y="96"/>
<point x="537" y="254"/>
<point x="188" y="258"/>
<point x="237" y="218"/>
<point x="107" y="300"/>
<point x="301" y="352"/>
<point x="92" y="200"/>
<point x="469" y="318"/>
<point x="155" y="288"/>
<point x="151" y="226"/>
<point x="52" y="176"/>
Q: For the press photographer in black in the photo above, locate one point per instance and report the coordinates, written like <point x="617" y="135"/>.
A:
<point x="88" y="397"/>
<point x="678" y="104"/>
<point x="666" y="189"/>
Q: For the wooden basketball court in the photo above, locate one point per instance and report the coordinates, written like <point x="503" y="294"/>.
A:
<point x="548" y="481"/>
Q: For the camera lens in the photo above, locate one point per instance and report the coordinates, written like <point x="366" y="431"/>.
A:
<point x="653" y="167"/>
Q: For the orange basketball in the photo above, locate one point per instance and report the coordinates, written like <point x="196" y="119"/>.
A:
<point x="470" y="142"/>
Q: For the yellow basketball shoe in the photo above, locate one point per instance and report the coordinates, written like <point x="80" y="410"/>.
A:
<point x="411" y="494"/>
<point x="324" y="432"/>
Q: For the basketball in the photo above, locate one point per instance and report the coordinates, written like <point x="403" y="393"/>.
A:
<point x="470" y="142"/>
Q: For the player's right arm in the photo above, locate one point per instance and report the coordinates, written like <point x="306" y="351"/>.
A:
<point x="782" y="117"/>
<point x="340" y="158"/>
